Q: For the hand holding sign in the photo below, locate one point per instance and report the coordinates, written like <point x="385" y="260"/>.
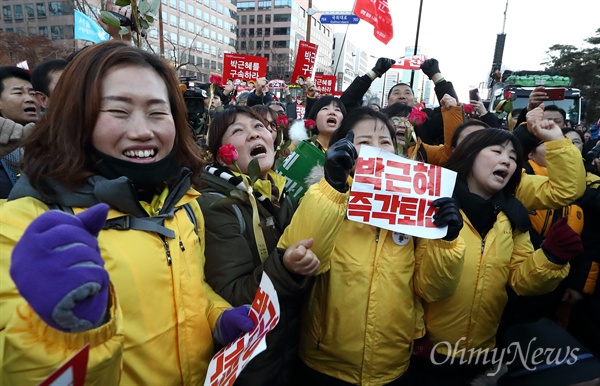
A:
<point x="398" y="194"/>
<point x="448" y="215"/>
<point x="229" y="362"/>
<point x="339" y="161"/>
<point x="382" y="65"/>
<point x="232" y="323"/>
<point x="430" y="67"/>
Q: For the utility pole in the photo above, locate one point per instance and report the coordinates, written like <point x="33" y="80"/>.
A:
<point x="412" y="72"/>
<point x="308" y="21"/>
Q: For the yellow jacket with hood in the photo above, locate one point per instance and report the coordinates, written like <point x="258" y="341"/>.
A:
<point x="360" y="318"/>
<point x="161" y="314"/>
<point x="564" y="184"/>
<point x="504" y="256"/>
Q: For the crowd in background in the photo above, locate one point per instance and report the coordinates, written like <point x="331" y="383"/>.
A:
<point x="143" y="229"/>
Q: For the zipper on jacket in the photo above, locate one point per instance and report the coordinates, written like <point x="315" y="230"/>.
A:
<point x="181" y="245"/>
<point x="482" y="245"/>
<point x="167" y="249"/>
<point x="377" y="235"/>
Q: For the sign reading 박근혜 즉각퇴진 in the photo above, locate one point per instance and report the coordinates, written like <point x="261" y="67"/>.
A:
<point x="395" y="193"/>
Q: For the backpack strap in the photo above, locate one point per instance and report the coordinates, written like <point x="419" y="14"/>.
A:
<point x="147" y="224"/>
<point x="192" y="216"/>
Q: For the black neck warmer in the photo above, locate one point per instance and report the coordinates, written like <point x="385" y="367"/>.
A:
<point x="482" y="213"/>
<point x="143" y="176"/>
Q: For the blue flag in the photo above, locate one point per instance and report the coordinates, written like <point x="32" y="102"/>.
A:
<point x="87" y="29"/>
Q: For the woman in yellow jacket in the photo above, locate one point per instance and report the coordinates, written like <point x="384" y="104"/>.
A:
<point x="498" y="253"/>
<point x="131" y="286"/>
<point x="360" y="319"/>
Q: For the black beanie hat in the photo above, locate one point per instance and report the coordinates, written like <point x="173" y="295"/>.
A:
<point x="552" y="356"/>
<point x="528" y="140"/>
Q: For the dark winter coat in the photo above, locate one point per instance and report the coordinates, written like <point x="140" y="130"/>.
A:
<point x="430" y="132"/>
<point x="233" y="268"/>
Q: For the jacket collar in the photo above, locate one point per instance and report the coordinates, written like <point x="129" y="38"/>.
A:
<point x="118" y="193"/>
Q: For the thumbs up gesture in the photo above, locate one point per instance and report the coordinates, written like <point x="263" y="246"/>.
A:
<point x="300" y="260"/>
<point x="58" y="269"/>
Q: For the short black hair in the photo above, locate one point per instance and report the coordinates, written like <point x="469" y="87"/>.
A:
<point x="397" y="110"/>
<point x="40" y="76"/>
<point x="463" y="157"/>
<point x="462" y="127"/>
<point x="400" y="84"/>
<point x="358" y="115"/>
<point x="7" y="72"/>
<point x="322" y="102"/>
<point x="556" y="108"/>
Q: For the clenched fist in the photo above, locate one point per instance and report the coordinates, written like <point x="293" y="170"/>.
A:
<point x="300" y="260"/>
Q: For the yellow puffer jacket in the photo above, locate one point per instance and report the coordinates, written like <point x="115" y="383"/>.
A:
<point x="564" y="184"/>
<point x="361" y="316"/>
<point x="542" y="220"/>
<point x="162" y="316"/>
<point x="469" y="318"/>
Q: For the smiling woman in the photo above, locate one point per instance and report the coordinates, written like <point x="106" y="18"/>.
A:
<point x="120" y="265"/>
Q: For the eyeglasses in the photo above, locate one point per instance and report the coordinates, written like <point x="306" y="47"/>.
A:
<point x="272" y="126"/>
<point x="280" y="112"/>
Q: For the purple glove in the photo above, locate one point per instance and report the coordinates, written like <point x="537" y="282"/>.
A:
<point x="58" y="269"/>
<point x="232" y="323"/>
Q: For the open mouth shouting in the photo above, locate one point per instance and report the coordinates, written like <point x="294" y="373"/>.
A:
<point x="30" y="111"/>
<point x="258" y="150"/>
<point x="332" y="121"/>
<point x="500" y="175"/>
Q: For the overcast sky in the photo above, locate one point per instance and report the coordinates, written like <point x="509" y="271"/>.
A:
<point x="461" y="34"/>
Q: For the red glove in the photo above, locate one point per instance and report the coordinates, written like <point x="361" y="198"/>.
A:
<point x="562" y="243"/>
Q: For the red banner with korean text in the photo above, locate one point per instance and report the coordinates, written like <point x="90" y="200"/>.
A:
<point x="376" y="13"/>
<point x="305" y="62"/>
<point x="229" y="362"/>
<point x="325" y="84"/>
<point x="395" y="193"/>
<point x="410" y="63"/>
<point x="243" y="68"/>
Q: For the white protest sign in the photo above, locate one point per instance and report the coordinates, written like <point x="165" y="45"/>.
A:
<point x="395" y="193"/>
<point x="229" y="362"/>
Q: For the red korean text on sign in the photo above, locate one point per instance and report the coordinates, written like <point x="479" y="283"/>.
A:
<point x="369" y="171"/>
<point x="227" y="364"/>
<point x="400" y="186"/>
<point x="237" y="67"/>
<point x="325" y="84"/>
<point x="427" y="179"/>
<point x="360" y="205"/>
<point x="305" y="62"/>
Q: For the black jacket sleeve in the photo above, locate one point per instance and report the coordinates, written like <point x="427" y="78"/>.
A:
<point x="352" y="97"/>
<point x="445" y="87"/>
<point x="490" y="119"/>
<point x="254" y="99"/>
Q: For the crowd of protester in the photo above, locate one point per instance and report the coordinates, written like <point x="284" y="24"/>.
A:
<point x="125" y="229"/>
